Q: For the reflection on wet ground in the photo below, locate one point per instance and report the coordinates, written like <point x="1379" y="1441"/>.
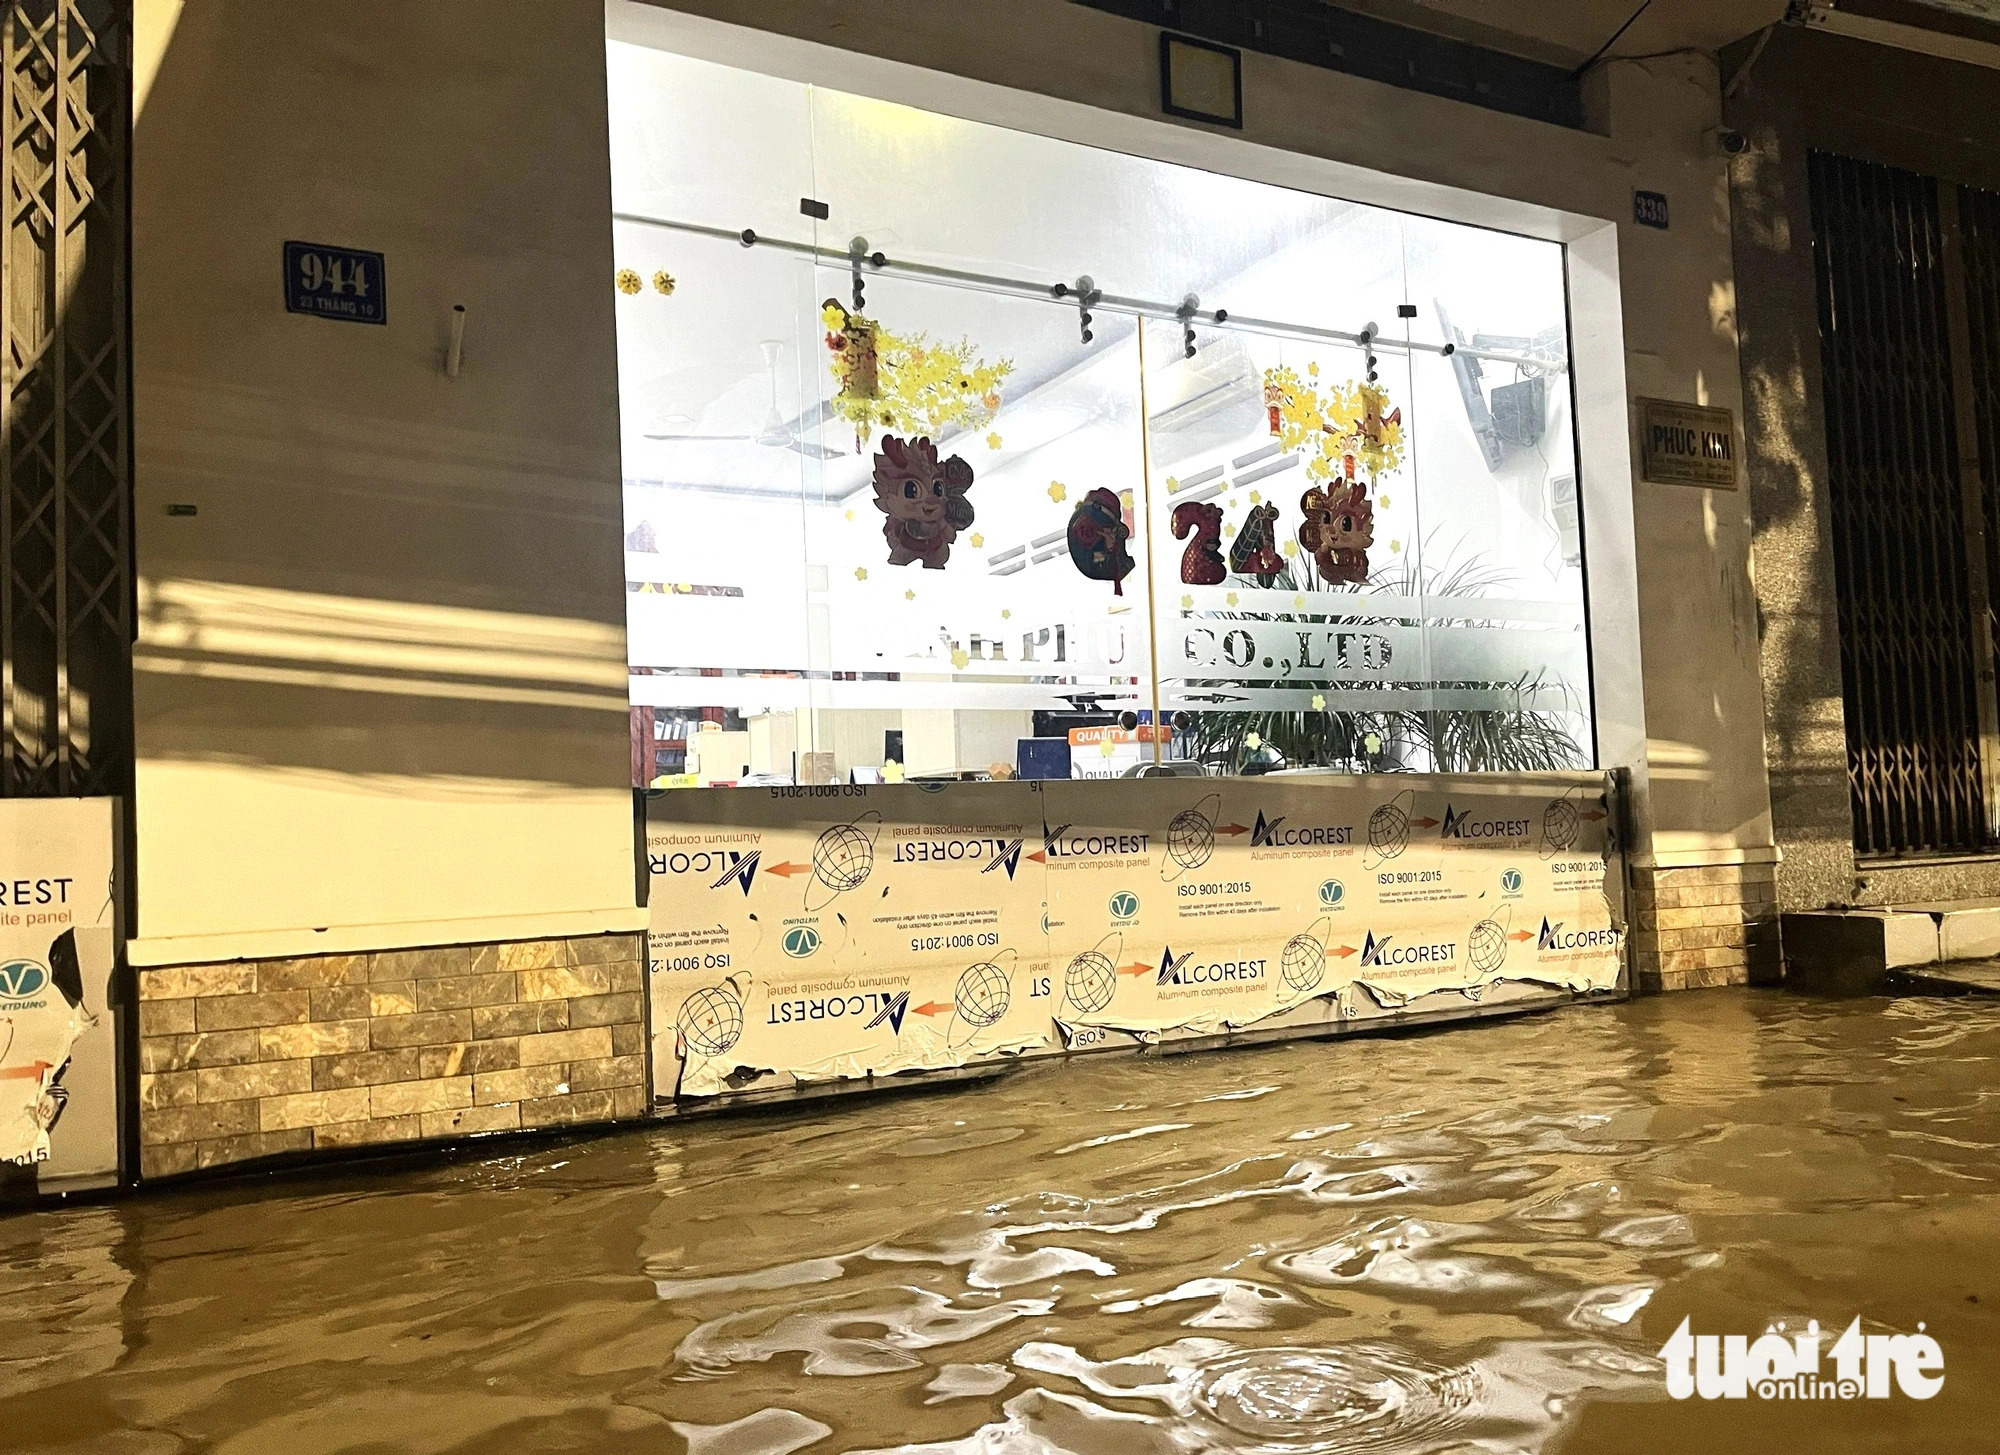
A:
<point x="1470" y="1240"/>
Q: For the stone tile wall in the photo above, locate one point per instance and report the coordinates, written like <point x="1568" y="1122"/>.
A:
<point x="261" y="1057"/>
<point x="1697" y="927"/>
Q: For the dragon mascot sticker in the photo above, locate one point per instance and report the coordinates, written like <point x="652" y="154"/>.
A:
<point x="923" y="499"/>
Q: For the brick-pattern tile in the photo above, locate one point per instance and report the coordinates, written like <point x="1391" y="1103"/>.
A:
<point x="425" y="1028"/>
<point x="323" y="972"/>
<point x="467" y="1121"/>
<point x="321" y="1038"/>
<point x="184" y="1053"/>
<point x="256" y="1080"/>
<point x="407" y="1098"/>
<point x="529" y="1081"/>
<point x="313" y="1109"/>
<point x="188" y="981"/>
<point x="582" y="1106"/>
<point x="166" y="1017"/>
<point x="588" y="1045"/>
<point x="461" y="992"/>
<point x="469" y="1058"/>
<point x="224" y="1150"/>
<point x="285" y="1057"/>
<point x="170" y="1088"/>
<point x="367" y="1133"/>
<point x="1705" y="926"/>
<point x="367" y="1068"/>
<point x="237" y="1012"/>
<point x="606" y="1010"/>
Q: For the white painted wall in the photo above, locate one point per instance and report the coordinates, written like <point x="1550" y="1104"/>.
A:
<point x="380" y="686"/>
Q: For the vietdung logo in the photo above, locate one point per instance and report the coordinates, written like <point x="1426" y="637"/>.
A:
<point x="1124" y="904"/>
<point x="20" y="979"/>
<point x="1510" y="881"/>
<point x="1331" y="893"/>
<point x="801" y="941"/>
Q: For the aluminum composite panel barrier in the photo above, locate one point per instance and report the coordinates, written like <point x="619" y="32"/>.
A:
<point x="828" y="935"/>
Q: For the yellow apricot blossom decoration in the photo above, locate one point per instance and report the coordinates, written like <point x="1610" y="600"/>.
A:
<point x="861" y="573"/>
<point x="1058" y="491"/>
<point x="993" y="439"/>
<point x="1187" y="602"/>
<point x="663" y="283"/>
<point x="1319" y="702"/>
<point x="628" y="282"/>
<point x="959" y="657"/>
<point x="977" y="540"/>
<point x="920" y="386"/>
<point x="1346" y="419"/>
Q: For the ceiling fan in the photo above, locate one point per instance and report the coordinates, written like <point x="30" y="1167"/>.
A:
<point x="775" y="433"/>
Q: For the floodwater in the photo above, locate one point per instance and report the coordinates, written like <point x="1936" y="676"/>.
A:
<point x="1474" y="1239"/>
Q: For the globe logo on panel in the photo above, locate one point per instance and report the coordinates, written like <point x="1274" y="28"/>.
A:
<point x="1331" y="893"/>
<point x="800" y="941"/>
<point x="1124" y="904"/>
<point x="20" y="979"/>
<point x="711" y="1021"/>
<point x="983" y="994"/>
<point x="1090" y="981"/>
<point x="1510" y="880"/>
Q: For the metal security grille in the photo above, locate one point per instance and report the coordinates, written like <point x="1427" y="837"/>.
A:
<point x="1911" y="592"/>
<point x="65" y="610"/>
<point x="1979" y="230"/>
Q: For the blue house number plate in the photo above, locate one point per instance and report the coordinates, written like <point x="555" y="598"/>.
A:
<point x="341" y="283"/>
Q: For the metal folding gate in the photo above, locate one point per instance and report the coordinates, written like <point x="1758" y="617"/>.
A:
<point x="1900" y="327"/>
<point x="65" y="497"/>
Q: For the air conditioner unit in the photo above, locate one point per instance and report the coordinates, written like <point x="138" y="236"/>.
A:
<point x="1208" y="402"/>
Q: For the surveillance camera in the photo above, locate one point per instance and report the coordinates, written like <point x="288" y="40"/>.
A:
<point x="1726" y="140"/>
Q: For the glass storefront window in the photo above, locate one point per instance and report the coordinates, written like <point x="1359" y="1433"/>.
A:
<point x="1032" y="459"/>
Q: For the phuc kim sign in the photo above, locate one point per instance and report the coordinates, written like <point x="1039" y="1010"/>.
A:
<point x="1687" y="444"/>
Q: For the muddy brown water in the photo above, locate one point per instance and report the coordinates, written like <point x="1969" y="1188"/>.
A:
<point x="1473" y="1239"/>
